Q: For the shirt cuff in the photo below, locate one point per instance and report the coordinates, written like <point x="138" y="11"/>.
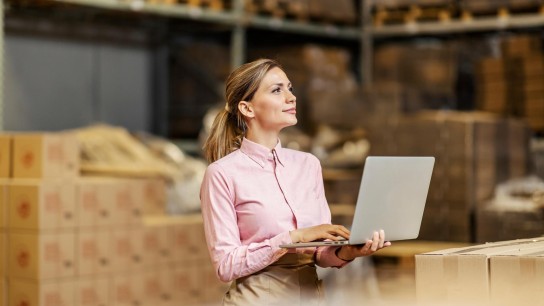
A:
<point x="276" y="241"/>
<point x="326" y="257"/>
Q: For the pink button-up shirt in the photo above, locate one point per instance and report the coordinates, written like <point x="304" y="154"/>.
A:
<point x="252" y="198"/>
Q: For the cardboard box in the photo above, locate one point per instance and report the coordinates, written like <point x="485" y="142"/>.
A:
<point x="123" y="196"/>
<point x="517" y="277"/>
<point x="3" y="203"/>
<point x="184" y="283"/>
<point x="92" y="291"/>
<point x="42" y="255"/>
<point x="45" y="155"/>
<point x="154" y="196"/>
<point x="5" y="155"/>
<point x="49" y="293"/>
<point x="461" y="275"/>
<point x="93" y="252"/>
<point x="3" y="292"/>
<point x="94" y="204"/>
<point x="127" y="253"/>
<point x="41" y="204"/>
<point x="127" y="289"/>
<point x="189" y="238"/>
<point x="3" y="253"/>
<point x="181" y="238"/>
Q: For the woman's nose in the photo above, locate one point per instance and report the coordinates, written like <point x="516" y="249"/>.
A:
<point x="291" y="97"/>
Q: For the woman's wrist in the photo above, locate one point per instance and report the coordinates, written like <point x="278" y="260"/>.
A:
<point x="337" y="253"/>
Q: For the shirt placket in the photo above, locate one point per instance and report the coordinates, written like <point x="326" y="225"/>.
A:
<point x="277" y="175"/>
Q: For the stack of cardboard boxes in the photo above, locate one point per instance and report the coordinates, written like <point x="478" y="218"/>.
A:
<point x="514" y="83"/>
<point x="474" y="152"/>
<point x="71" y="240"/>
<point x="501" y="273"/>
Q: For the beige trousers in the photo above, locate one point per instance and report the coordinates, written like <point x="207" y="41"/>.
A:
<point x="292" y="280"/>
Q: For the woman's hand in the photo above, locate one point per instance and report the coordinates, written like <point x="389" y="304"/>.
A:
<point x="350" y="252"/>
<point x="320" y="232"/>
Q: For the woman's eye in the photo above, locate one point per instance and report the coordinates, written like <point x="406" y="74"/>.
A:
<point x="276" y="90"/>
<point x="291" y="89"/>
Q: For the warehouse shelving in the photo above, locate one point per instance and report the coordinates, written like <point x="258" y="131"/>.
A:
<point x="240" y="22"/>
<point x="495" y="23"/>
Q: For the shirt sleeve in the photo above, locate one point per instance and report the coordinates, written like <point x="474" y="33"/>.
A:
<point x="230" y="258"/>
<point x="325" y="256"/>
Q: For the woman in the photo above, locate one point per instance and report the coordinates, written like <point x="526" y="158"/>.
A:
<point x="257" y="195"/>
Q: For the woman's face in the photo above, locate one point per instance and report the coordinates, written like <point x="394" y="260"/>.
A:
<point x="273" y="106"/>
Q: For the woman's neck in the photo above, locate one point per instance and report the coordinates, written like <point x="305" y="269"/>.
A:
<point x="268" y="139"/>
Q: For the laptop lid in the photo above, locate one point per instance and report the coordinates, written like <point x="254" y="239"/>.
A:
<point x="392" y="197"/>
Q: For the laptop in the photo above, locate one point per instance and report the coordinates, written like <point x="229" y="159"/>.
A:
<point x="392" y="197"/>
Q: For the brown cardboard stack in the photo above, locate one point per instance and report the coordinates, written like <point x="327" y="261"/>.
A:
<point x="514" y="84"/>
<point x="501" y="273"/>
<point x="495" y="224"/>
<point x="82" y="241"/>
<point x="424" y="74"/>
<point x="491" y="90"/>
<point x="473" y="153"/>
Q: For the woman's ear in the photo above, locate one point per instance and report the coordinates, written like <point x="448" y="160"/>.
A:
<point x="246" y="108"/>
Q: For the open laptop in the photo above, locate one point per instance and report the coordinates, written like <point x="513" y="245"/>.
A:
<point x="392" y="197"/>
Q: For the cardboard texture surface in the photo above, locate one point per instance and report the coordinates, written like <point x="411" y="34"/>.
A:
<point x="469" y="276"/>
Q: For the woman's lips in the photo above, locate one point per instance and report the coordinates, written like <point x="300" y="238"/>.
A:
<point x="291" y="111"/>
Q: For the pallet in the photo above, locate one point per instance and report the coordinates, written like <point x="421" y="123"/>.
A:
<point x="297" y="10"/>
<point x="216" y="5"/>
<point x="412" y="14"/>
<point x="501" y="9"/>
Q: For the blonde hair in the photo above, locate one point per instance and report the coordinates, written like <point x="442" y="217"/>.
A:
<point x="229" y="127"/>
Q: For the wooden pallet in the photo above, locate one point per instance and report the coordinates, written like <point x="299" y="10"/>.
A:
<point x="411" y="14"/>
<point x="297" y="10"/>
<point x="501" y="9"/>
<point x="216" y="5"/>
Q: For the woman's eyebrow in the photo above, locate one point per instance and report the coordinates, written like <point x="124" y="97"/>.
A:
<point x="280" y="84"/>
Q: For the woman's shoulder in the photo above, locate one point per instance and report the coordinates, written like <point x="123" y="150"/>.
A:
<point x="225" y="162"/>
<point x="301" y="156"/>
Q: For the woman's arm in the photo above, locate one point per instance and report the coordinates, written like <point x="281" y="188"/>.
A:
<point x="231" y="259"/>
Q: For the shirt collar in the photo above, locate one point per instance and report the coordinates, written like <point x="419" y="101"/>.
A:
<point x="259" y="153"/>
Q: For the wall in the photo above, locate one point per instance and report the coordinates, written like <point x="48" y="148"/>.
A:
<point x="55" y="84"/>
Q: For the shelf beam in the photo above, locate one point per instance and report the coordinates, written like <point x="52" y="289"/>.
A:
<point x="225" y="17"/>
<point x="480" y="24"/>
<point x="141" y="6"/>
<point x="324" y="30"/>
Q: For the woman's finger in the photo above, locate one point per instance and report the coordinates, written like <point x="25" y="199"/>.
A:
<point x="382" y="239"/>
<point x="375" y="241"/>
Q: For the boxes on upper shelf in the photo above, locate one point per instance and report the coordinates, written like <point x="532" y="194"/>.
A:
<point x="45" y="155"/>
<point x="43" y="293"/>
<point x="5" y="155"/>
<point x="43" y="255"/>
<point x="41" y="204"/>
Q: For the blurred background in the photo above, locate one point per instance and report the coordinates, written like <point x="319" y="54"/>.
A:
<point x="108" y="102"/>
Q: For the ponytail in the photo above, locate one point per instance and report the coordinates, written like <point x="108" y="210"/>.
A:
<point x="225" y="136"/>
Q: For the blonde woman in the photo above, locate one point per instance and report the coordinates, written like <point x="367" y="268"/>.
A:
<point x="257" y="195"/>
